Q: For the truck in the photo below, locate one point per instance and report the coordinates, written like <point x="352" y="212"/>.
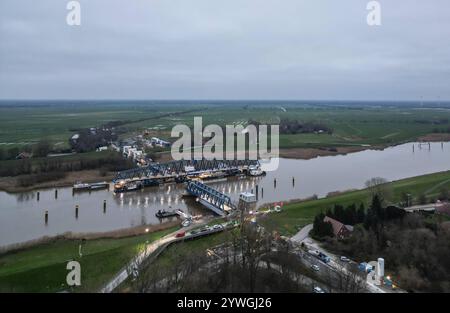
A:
<point x="323" y="257"/>
<point x="364" y="267"/>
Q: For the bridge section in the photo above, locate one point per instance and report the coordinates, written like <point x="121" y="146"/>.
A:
<point x="214" y="200"/>
<point x="182" y="168"/>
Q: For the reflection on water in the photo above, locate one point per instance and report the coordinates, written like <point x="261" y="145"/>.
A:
<point x="22" y="215"/>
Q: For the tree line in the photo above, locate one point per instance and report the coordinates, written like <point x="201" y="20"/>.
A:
<point x="111" y="161"/>
<point x="372" y="218"/>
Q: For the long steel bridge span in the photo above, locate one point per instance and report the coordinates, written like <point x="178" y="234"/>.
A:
<point x="182" y="168"/>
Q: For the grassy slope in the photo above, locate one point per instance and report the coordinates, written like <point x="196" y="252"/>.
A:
<point x="297" y="215"/>
<point x="43" y="268"/>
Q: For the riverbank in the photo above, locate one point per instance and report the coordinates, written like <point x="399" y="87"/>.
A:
<point x="434" y="137"/>
<point x="311" y="153"/>
<point x="115" y="234"/>
<point x="43" y="268"/>
<point x="12" y="184"/>
<point x="295" y="215"/>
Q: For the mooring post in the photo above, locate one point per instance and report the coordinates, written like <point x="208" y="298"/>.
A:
<point x="46" y="217"/>
<point x="262" y="192"/>
<point x="274" y="183"/>
<point x="293" y="181"/>
<point x="257" y="191"/>
<point x="38" y="195"/>
<point x="56" y="193"/>
<point x="76" y="211"/>
<point x="104" y="206"/>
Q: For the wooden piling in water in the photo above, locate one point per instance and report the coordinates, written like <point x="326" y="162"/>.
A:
<point x="76" y="211"/>
<point x="274" y="183"/>
<point x="262" y="192"/>
<point x="104" y="206"/>
<point x="46" y="217"/>
<point x="38" y="195"/>
<point x="56" y="193"/>
<point x="257" y="191"/>
<point x="293" y="181"/>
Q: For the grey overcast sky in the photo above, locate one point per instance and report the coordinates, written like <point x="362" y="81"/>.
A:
<point x="225" y="49"/>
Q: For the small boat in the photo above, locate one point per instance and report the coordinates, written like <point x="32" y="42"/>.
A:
<point x="81" y="186"/>
<point x="100" y="185"/>
<point x="85" y="186"/>
<point x="186" y="223"/>
<point x="165" y="214"/>
<point x="256" y="172"/>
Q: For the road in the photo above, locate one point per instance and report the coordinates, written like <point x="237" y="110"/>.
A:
<point x="302" y="234"/>
<point x="335" y="263"/>
<point x="152" y="247"/>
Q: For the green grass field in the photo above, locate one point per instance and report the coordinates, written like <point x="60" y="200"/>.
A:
<point x="352" y="125"/>
<point x="43" y="268"/>
<point x="296" y="215"/>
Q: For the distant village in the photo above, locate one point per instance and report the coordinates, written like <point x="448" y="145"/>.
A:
<point x="102" y="139"/>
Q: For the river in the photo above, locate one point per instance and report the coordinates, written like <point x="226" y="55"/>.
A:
<point x="22" y="215"/>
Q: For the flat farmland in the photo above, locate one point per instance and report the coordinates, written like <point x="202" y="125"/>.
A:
<point x="352" y="125"/>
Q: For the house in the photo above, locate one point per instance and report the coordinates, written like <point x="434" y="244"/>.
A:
<point x="23" y="155"/>
<point x="103" y="148"/>
<point x="340" y="230"/>
<point x="74" y="139"/>
<point x="159" y="142"/>
<point x="443" y="208"/>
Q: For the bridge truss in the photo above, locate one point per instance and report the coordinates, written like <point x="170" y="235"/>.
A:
<point x="210" y="196"/>
<point x="178" y="168"/>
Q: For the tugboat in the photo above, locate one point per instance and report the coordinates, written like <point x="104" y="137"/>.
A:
<point x="255" y="171"/>
<point x="165" y="214"/>
<point x="122" y="187"/>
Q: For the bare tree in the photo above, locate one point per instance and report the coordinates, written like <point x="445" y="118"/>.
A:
<point x="379" y="186"/>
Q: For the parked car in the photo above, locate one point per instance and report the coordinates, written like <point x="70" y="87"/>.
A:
<point x="277" y="209"/>
<point x="315" y="267"/>
<point x="195" y="231"/>
<point x="217" y="226"/>
<point x="180" y="234"/>
<point x="345" y="259"/>
<point x="317" y="289"/>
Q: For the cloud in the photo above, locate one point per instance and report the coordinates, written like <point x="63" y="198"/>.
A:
<point x="233" y="49"/>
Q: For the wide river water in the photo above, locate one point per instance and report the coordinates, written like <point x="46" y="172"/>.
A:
<point x="22" y="215"/>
